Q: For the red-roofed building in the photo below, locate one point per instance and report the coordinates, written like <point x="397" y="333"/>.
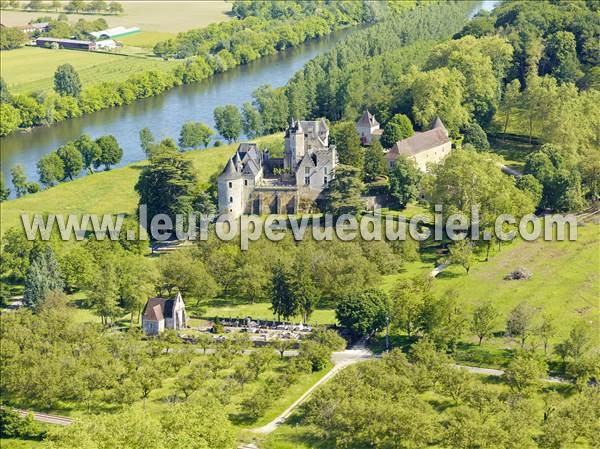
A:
<point x="162" y="313"/>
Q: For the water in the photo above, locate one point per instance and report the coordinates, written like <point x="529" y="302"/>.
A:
<point x="163" y="114"/>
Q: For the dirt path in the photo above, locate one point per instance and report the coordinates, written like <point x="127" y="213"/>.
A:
<point x="341" y="360"/>
<point x="48" y="419"/>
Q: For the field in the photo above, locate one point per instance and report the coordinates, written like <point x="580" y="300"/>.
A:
<point x="110" y="192"/>
<point x="145" y="39"/>
<point x="565" y="284"/>
<point x="170" y="17"/>
<point x="32" y="69"/>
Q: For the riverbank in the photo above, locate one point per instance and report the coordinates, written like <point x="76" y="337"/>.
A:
<point x="110" y="192"/>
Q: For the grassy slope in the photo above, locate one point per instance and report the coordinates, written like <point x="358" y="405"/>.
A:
<point x="31" y="69"/>
<point x="165" y="16"/>
<point x="108" y="192"/>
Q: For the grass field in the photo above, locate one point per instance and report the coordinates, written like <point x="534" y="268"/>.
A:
<point x="146" y="39"/>
<point x="260" y="311"/>
<point x="32" y="69"/>
<point x="110" y="192"/>
<point x="164" y="16"/>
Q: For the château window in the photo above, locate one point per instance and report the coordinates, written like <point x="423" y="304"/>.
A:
<point x="245" y="182"/>
<point x="306" y="170"/>
<point x="231" y="199"/>
<point x="230" y="185"/>
<point x="307" y="180"/>
<point x="325" y="170"/>
<point x="325" y="181"/>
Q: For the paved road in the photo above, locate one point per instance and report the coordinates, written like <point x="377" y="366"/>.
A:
<point x="48" y="419"/>
<point x="341" y="360"/>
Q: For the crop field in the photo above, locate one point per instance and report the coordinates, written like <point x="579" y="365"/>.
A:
<point x="32" y="69"/>
<point x="170" y="17"/>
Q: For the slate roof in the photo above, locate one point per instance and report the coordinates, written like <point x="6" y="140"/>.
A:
<point x="230" y="171"/>
<point x="367" y="120"/>
<point x="157" y="309"/>
<point x="420" y="142"/>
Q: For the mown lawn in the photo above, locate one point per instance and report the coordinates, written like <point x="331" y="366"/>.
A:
<point x="32" y="69"/>
<point x="225" y="308"/>
<point x="110" y="192"/>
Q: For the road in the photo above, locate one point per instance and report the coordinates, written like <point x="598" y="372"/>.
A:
<point x="340" y="360"/>
<point x="48" y="419"/>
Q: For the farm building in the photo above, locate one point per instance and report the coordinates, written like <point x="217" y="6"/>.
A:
<point x="112" y="33"/>
<point x="33" y="27"/>
<point x="65" y="43"/>
<point x="106" y="44"/>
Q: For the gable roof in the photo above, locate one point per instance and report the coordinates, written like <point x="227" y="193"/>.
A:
<point x="367" y="120"/>
<point x="418" y="143"/>
<point x="157" y="309"/>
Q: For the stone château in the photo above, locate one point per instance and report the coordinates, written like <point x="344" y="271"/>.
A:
<point x="253" y="182"/>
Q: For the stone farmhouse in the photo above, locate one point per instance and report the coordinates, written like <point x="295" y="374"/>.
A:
<point x="162" y="313"/>
<point x="252" y="182"/>
<point x="428" y="147"/>
<point x="368" y="128"/>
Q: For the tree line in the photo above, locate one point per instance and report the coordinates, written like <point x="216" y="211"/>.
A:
<point x="71" y="7"/>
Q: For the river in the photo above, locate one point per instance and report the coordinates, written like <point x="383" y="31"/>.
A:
<point x="164" y="114"/>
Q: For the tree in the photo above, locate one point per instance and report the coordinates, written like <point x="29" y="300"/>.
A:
<point x="193" y="134"/>
<point x="560" y="59"/>
<point x="282" y="300"/>
<point x="525" y="372"/>
<point x="146" y="141"/>
<point x="303" y="288"/>
<point x="530" y="185"/>
<point x="439" y="92"/>
<point x="483" y="321"/>
<point x="72" y="159"/>
<point x="11" y="38"/>
<point x="443" y="319"/>
<point x="66" y="81"/>
<point x="347" y="144"/>
<point x="228" y="122"/>
<point x="19" y="180"/>
<point x="408" y="297"/>
<point x="345" y="190"/>
<point x="546" y="329"/>
<point x="282" y="345"/>
<point x="476" y="136"/>
<point x="364" y="313"/>
<point x="510" y="99"/>
<point x="10" y="119"/>
<point x="115" y="8"/>
<point x="110" y="152"/>
<point x="520" y="321"/>
<point x="398" y="128"/>
<point x="461" y="253"/>
<point x="272" y="105"/>
<point x="90" y="151"/>
<point x="375" y="163"/>
<point x="51" y="169"/>
<point x="405" y="178"/>
<point x="75" y="6"/>
<point x="168" y="185"/>
<point x="43" y="277"/>
<point x="251" y="121"/>
<point x="5" y="96"/>
<point x="179" y="270"/>
<point x="4" y="190"/>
